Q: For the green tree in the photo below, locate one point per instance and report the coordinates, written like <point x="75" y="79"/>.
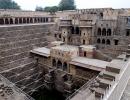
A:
<point x="8" y="4"/>
<point x="38" y="8"/>
<point x="51" y="9"/>
<point x="67" y="5"/>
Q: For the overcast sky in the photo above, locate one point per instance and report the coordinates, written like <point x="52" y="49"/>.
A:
<point x="31" y="4"/>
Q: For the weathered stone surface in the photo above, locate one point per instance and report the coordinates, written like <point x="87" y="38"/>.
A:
<point x="15" y="45"/>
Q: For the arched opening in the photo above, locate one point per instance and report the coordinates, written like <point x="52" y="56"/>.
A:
<point x="41" y="19"/>
<point x="11" y="21"/>
<point x="72" y="30"/>
<point x="6" y="21"/>
<point x="54" y="63"/>
<point x="1" y="21"/>
<point x="38" y="20"/>
<point x="83" y="41"/>
<point x="108" y="42"/>
<point x="109" y="32"/>
<point x="20" y="20"/>
<point x="77" y="30"/>
<point x="103" y="41"/>
<point x="60" y="36"/>
<point x="31" y="20"/>
<point x="24" y="20"/>
<point x="28" y="20"/>
<point x="35" y="20"/>
<point x="127" y="33"/>
<point x="98" y="41"/>
<point x="116" y="42"/>
<point x="46" y="19"/>
<point x="16" y="20"/>
<point x="59" y="64"/>
<point x="104" y="32"/>
<point x="65" y="66"/>
<point x="101" y="15"/>
<point x="85" y="54"/>
<point x="99" y="31"/>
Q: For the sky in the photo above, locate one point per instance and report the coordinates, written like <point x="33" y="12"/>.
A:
<point x="81" y="4"/>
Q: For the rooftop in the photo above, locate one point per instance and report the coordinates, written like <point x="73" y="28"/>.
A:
<point x="117" y="63"/>
<point x="57" y="43"/>
<point x="41" y="51"/>
<point x="95" y="64"/>
<point x="66" y="48"/>
<point x="88" y="47"/>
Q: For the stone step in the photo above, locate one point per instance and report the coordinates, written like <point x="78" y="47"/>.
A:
<point x="127" y="55"/>
<point x="105" y="81"/>
<point x="113" y="70"/>
<point x="109" y="75"/>
<point x="98" y="92"/>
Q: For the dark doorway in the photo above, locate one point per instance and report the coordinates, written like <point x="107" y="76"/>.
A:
<point x="116" y="42"/>
<point x="103" y="41"/>
<point x="16" y="20"/>
<point x="109" y="32"/>
<point x="31" y="20"/>
<point x="104" y="32"/>
<point x="28" y="20"/>
<point x="6" y="21"/>
<point x="77" y="30"/>
<point x="20" y="20"/>
<point x="11" y="21"/>
<point x="65" y="66"/>
<point x="83" y="41"/>
<point x="98" y="41"/>
<point x="59" y="64"/>
<point x="54" y="63"/>
<point x="127" y="33"/>
<point x="1" y="21"/>
<point x="72" y="30"/>
<point x="85" y="54"/>
<point x="99" y="31"/>
<point x="108" y="42"/>
<point x="24" y="20"/>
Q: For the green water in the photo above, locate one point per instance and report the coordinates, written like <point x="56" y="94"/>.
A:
<point x="44" y="94"/>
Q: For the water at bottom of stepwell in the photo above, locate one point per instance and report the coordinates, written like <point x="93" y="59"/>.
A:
<point x="44" y="94"/>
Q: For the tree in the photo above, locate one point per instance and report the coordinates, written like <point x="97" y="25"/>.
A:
<point x="8" y="4"/>
<point x="51" y="9"/>
<point x="67" y="5"/>
<point x="38" y="8"/>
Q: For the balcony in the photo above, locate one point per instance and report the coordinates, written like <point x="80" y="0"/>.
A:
<point x="65" y="23"/>
<point x="86" y="23"/>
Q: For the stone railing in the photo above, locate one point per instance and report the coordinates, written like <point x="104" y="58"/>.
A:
<point x="18" y="93"/>
<point x="82" y="89"/>
<point x="86" y="23"/>
<point x="66" y="23"/>
<point x="115" y="92"/>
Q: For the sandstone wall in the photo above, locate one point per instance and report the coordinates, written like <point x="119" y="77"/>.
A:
<point x="16" y="63"/>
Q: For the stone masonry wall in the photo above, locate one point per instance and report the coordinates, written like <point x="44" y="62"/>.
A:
<point x="16" y="63"/>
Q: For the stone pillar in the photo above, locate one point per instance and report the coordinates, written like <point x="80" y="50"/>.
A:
<point x="13" y="20"/>
<point x="33" y="20"/>
<point x="4" y="20"/>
